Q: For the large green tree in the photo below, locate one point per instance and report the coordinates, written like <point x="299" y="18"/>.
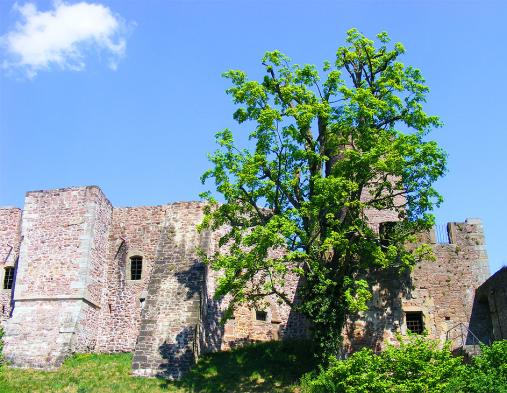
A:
<point x="326" y="149"/>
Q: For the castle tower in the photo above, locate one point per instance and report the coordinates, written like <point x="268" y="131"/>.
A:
<point x="60" y="276"/>
<point x="438" y="296"/>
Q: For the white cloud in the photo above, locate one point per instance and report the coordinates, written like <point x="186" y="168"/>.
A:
<point x="61" y="37"/>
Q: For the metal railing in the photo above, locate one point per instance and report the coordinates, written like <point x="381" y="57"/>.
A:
<point x="442" y="234"/>
<point x="461" y="334"/>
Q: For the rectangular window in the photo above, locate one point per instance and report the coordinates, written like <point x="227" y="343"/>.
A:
<point x="8" y="277"/>
<point x="415" y="322"/>
<point x="261" y="315"/>
<point x="386" y="233"/>
<point x="136" y="268"/>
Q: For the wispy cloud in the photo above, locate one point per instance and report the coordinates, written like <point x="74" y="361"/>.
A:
<point x="62" y="37"/>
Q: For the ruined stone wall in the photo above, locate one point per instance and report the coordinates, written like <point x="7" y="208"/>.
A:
<point x="95" y="246"/>
<point x="280" y="322"/>
<point x="375" y="216"/>
<point x="73" y="291"/>
<point x="10" y="238"/>
<point x="60" y="276"/>
<point x="443" y="290"/>
<point x="493" y="295"/>
<point x="170" y="321"/>
<point x="53" y="224"/>
<point x="211" y="310"/>
<point x="135" y="231"/>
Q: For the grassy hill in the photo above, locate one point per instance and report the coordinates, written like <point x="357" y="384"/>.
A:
<point x="266" y="367"/>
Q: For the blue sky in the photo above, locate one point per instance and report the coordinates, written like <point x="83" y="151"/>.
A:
<point x="135" y="108"/>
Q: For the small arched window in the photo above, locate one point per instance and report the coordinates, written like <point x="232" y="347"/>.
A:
<point x="136" y="267"/>
<point x="8" y="277"/>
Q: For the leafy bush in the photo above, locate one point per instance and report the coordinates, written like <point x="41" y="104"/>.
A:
<point x="416" y="366"/>
<point x="486" y="374"/>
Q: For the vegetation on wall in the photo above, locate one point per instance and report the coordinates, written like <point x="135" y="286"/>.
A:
<point x="327" y="147"/>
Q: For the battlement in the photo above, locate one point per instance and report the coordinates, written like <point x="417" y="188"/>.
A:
<point x="470" y="231"/>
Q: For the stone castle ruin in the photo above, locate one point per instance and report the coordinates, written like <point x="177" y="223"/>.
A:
<point x="79" y="275"/>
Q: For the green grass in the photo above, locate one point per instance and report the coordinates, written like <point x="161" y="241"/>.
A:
<point x="266" y="367"/>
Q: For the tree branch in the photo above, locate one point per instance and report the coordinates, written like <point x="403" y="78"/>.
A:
<point x="252" y="202"/>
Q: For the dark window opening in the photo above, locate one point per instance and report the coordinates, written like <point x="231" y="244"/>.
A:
<point x="8" y="277"/>
<point x="386" y="233"/>
<point x="136" y="268"/>
<point x="261" y="315"/>
<point x="415" y="322"/>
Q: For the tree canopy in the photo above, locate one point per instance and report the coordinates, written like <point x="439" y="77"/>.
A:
<point x="328" y="148"/>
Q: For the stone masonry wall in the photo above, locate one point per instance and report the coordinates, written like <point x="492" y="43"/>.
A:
<point x="60" y="276"/>
<point x="94" y="276"/>
<point x="443" y="290"/>
<point x="280" y="322"/>
<point x="10" y="238"/>
<point x="170" y="320"/>
<point x="73" y="291"/>
<point x="134" y="231"/>
<point x="493" y="294"/>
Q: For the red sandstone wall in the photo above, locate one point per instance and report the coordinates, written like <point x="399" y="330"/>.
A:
<point x="444" y="290"/>
<point x="281" y="322"/>
<point x="53" y="223"/>
<point x="76" y="246"/>
<point x="134" y="231"/>
<point x="60" y="276"/>
<point x="10" y="236"/>
<point x="94" y="245"/>
<point x="446" y="287"/>
<point x="494" y="297"/>
<point x="99" y="217"/>
<point x="169" y="332"/>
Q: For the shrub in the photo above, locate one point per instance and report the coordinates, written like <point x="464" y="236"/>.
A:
<point x="486" y="374"/>
<point x="415" y="366"/>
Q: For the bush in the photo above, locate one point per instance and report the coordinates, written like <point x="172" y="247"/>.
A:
<point x="416" y="366"/>
<point x="486" y="374"/>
